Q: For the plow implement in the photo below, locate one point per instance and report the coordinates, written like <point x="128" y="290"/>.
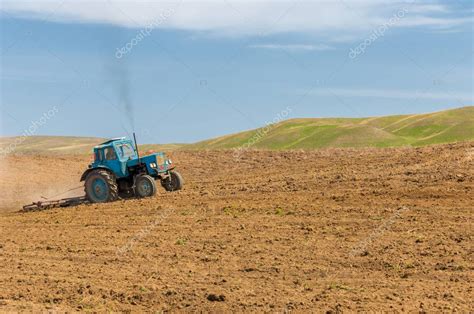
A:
<point x="65" y="202"/>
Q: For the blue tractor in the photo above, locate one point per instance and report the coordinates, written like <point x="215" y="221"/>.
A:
<point x="118" y="171"/>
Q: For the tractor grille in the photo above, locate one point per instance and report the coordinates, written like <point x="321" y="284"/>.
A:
<point x="160" y="160"/>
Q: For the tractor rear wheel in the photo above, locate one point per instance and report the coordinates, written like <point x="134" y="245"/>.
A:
<point x="145" y="186"/>
<point x="174" y="182"/>
<point x="101" y="187"/>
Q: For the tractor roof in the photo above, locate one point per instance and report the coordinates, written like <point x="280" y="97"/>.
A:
<point x="108" y="142"/>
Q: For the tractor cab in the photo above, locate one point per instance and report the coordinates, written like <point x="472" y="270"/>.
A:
<point x="114" y="149"/>
<point x="114" y="155"/>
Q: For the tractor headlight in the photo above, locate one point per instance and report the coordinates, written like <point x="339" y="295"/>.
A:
<point x="153" y="165"/>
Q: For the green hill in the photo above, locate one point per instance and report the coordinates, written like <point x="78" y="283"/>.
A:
<point x="58" y="145"/>
<point x="49" y="144"/>
<point x="421" y="129"/>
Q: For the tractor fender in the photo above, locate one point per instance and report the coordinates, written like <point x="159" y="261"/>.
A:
<point x="86" y="173"/>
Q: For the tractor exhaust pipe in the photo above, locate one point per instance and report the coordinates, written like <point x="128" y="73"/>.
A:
<point x="136" y="147"/>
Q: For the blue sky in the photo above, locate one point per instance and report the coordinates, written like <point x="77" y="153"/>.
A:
<point x="184" y="71"/>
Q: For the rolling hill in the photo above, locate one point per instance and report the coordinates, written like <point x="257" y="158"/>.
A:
<point x="63" y="145"/>
<point x="49" y="144"/>
<point x="448" y="126"/>
<point x="416" y="130"/>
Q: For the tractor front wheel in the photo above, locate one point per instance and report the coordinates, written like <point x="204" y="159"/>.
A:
<point x="173" y="182"/>
<point x="145" y="186"/>
<point x="101" y="187"/>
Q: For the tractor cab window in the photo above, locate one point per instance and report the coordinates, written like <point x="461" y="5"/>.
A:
<point x="99" y="155"/>
<point x="126" y="151"/>
<point x="110" y="153"/>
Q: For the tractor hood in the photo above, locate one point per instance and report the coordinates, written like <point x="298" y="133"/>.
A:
<point x="156" y="162"/>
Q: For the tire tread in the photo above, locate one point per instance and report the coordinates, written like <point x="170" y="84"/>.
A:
<point x="109" y="179"/>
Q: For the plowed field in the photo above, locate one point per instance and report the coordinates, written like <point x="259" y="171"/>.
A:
<point x="329" y="230"/>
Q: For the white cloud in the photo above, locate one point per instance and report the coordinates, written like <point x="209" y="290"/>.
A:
<point x="391" y="94"/>
<point x="293" y="47"/>
<point x="435" y="22"/>
<point x="238" y="17"/>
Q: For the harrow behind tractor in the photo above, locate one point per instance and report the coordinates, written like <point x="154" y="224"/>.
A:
<point x="118" y="171"/>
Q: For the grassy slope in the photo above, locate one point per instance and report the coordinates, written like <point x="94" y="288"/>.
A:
<point x="417" y="130"/>
<point x="49" y="144"/>
<point x="65" y="145"/>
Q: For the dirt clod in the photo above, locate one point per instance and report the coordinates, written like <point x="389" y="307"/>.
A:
<point x="216" y="298"/>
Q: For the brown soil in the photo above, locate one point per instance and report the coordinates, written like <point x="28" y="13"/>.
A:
<point x="330" y="230"/>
